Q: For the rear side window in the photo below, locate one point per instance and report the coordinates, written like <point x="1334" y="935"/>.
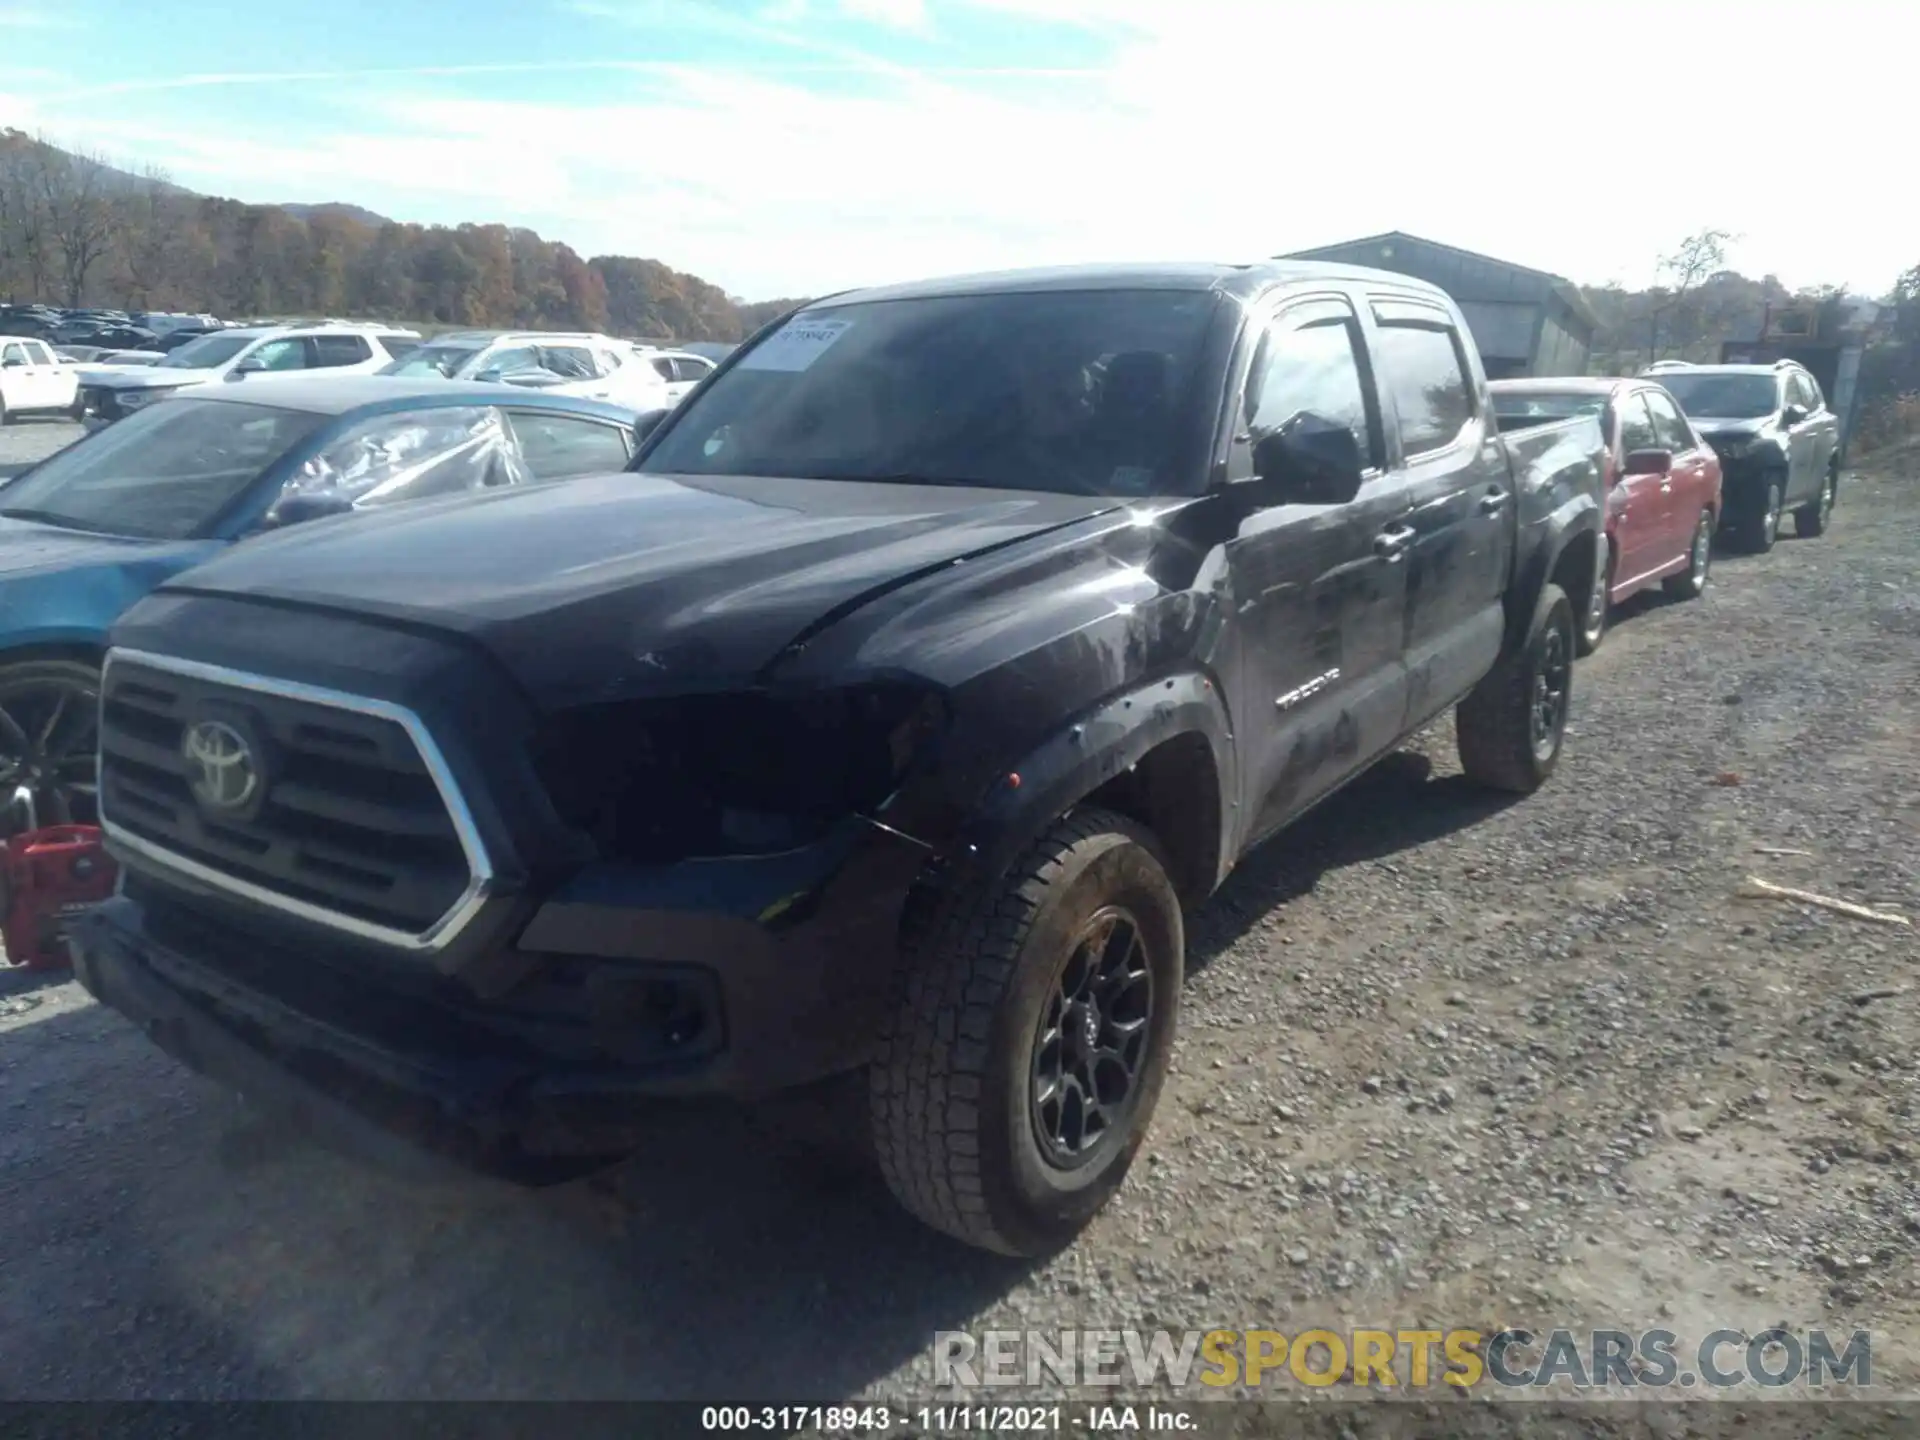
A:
<point x="399" y="346"/>
<point x="1421" y="366"/>
<point x="332" y="350"/>
<point x="38" y="353"/>
<point x="575" y="362"/>
<point x="664" y="367"/>
<point x="1636" y="425"/>
<point x="685" y="367"/>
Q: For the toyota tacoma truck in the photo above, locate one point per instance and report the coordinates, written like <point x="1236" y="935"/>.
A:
<point x="883" y="720"/>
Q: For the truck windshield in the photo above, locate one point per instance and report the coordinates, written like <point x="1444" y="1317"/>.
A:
<point x="1723" y="396"/>
<point x="207" y="351"/>
<point x="1079" y="392"/>
<point x="162" y="473"/>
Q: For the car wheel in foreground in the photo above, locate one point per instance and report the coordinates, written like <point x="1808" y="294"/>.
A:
<point x="1510" y="727"/>
<point x="1691" y="583"/>
<point x="1812" y="520"/>
<point x="1593" y="624"/>
<point x="48" y="736"/>
<point x="1029" y="1037"/>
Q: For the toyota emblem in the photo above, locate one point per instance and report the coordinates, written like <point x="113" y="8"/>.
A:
<point x="221" y="768"/>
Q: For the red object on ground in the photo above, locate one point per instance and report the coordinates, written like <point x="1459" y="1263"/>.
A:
<point x="45" y="875"/>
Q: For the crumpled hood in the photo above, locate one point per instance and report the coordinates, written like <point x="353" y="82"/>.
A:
<point x="627" y="584"/>
<point x="1728" y="429"/>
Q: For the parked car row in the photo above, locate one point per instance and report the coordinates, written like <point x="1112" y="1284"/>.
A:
<point x="1692" y="450"/>
<point x="877" y="720"/>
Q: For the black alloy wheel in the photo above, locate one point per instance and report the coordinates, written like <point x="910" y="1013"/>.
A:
<point x="1091" y="1044"/>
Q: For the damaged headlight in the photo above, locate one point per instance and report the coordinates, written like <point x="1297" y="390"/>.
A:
<point x="739" y="774"/>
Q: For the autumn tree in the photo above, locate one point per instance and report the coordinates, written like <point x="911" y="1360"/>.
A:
<point x="77" y="210"/>
<point x="1698" y="259"/>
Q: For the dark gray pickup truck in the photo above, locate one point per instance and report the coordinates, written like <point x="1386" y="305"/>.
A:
<point x="881" y="721"/>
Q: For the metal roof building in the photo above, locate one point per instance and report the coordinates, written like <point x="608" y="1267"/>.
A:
<point x="1524" y="321"/>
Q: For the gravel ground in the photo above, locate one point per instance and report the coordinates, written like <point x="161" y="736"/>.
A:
<point x="29" y="441"/>
<point x="1445" y="1061"/>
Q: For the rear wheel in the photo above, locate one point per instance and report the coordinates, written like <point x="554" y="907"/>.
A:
<point x="1812" y="520"/>
<point x="1032" y="1024"/>
<point x="1691" y="583"/>
<point x="1510" y="727"/>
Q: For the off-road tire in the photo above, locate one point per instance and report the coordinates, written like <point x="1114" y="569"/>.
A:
<point x="951" y="1082"/>
<point x="1810" y="521"/>
<point x="1691" y="583"/>
<point x="1753" y="531"/>
<point x="1494" y="725"/>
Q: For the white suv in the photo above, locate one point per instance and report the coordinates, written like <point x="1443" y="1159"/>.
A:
<point x="568" y="364"/>
<point x="33" y="380"/>
<point x="681" y="369"/>
<point x="254" y="353"/>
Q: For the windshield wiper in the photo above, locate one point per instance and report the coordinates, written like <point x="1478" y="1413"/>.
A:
<point x="920" y="477"/>
<point x="54" y="518"/>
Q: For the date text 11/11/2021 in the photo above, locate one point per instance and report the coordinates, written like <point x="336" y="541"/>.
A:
<point x="946" y="1419"/>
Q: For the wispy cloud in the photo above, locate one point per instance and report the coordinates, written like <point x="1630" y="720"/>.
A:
<point x="782" y="146"/>
<point x="31" y="17"/>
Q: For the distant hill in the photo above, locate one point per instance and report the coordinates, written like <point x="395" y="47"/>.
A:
<point x="75" y="229"/>
<point x="339" y="209"/>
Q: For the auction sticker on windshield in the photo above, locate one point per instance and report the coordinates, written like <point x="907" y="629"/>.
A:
<point x="796" y="345"/>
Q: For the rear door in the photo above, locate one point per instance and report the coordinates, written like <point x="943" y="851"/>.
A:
<point x="60" y="383"/>
<point x="1318" y="602"/>
<point x="1643" y="501"/>
<point x="1691" y="481"/>
<point x="1457" y="487"/>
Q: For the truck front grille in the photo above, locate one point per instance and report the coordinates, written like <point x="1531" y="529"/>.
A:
<point x="324" y="805"/>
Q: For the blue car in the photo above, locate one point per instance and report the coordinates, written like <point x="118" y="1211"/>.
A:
<point x="90" y="530"/>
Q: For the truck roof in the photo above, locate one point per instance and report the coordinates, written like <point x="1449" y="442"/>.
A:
<point x="1239" y="280"/>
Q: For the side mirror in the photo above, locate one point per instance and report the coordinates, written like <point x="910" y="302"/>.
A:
<point x="1310" y="460"/>
<point x="1649" y="462"/>
<point x="296" y="509"/>
<point x="13" y="364"/>
<point x="1794" y="415"/>
<point x="647" y="424"/>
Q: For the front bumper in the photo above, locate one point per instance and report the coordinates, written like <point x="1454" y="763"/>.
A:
<point x="530" y="1085"/>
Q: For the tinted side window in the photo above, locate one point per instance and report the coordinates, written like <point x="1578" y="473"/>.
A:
<point x="555" y="446"/>
<point x="686" y="368"/>
<point x="38" y="354"/>
<point x="1636" y="425"/>
<point x="1310" y="360"/>
<point x="664" y="366"/>
<point x="1668" y="424"/>
<point x="331" y="350"/>
<point x="1421" y="367"/>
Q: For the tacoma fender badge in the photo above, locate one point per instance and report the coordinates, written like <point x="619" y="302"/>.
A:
<point x="1307" y="691"/>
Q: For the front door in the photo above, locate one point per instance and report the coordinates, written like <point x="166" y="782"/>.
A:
<point x="1318" y="590"/>
<point x="1460" y="502"/>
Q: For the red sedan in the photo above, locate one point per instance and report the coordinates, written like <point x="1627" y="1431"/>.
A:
<point x="1663" y="488"/>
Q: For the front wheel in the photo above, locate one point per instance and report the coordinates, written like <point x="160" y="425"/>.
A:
<point x="1593" y="625"/>
<point x="1758" y="523"/>
<point x="1029" y="1036"/>
<point x="1510" y="727"/>
<point x="1691" y="583"/>
<point x="48" y="736"/>
<point x="1812" y="520"/>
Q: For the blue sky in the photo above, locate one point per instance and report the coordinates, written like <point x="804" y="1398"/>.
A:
<point x="793" y="146"/>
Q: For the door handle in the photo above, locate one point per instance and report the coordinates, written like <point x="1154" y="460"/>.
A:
<point x="1493" y="502"/>
<point x="1392" y="543"/>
